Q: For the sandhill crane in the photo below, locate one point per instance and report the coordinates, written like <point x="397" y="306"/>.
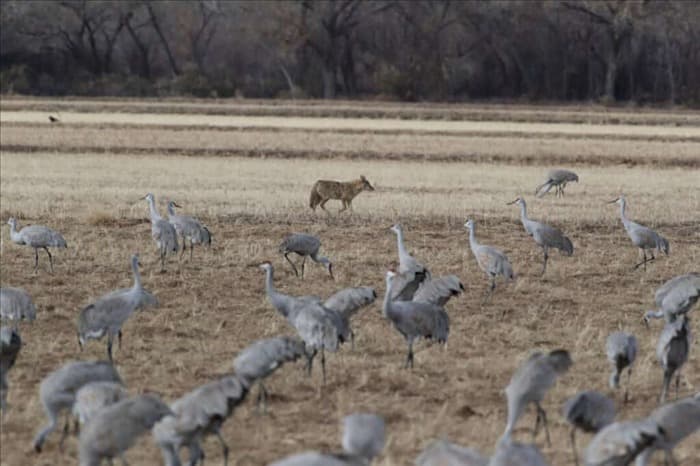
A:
<point x="10" y="345"/>
<point x="198" y="414"/>
<point x="310" y="319"/>
<point x="589" y="411"/>
<point x="58" y="389"/>
<point x="162" y="231"/>
<point x="490" y="260"/>
<point x="363" y="440"/>
<point x="411" y="273"/>
<point x="621" y="349"/>
<point x="304" y="245"/>
<point x="530" y="383"/>
<point x="545" y="236"/>
<point x="116" y="428"/>
<point x="188" y="228"/>
<point x="672" y="351"/>
<point x="37" y="237"/>
<point x="346" y="303"/>
<point x="676" y="296"/>
<point x="263" y="357"/>
<point x="414" y="319"/>
<point x="16" y="305"/>
<point x="557" y="177"/>
<point x="107" y="314"/>
<point x="643" y="237"/>
<point x="677" y="421"/>
<point x="510" y="453"/>
<point x="94" y="396"/>
<point x="444" y="453"/>
<point x="619" y="443"/>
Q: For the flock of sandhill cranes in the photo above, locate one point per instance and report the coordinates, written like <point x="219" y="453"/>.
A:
<point x="110" y="421"/>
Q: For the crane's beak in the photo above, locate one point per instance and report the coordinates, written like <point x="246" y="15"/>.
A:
<point x="512" y="202"/>
<point x="614" y="201"/>
<point x="175" y="204"/>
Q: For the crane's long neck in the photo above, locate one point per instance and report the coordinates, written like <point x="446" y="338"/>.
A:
<point x="400" y="244"/>
<point x="473" y="243"/>
<point x="171" y="210"/>
<point x="623" y="215"/>
<point x="386" y="306"/>
<point x="14" y="234"/>
<point x="281" y="302"/>
<point x="523" y="212"/>
<point x="155" y="216"/>
<point x="137" y="274"/>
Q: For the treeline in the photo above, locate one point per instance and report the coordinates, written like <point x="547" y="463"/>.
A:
<point x="537" y="50"/>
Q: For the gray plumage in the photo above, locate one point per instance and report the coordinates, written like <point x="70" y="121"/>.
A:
<point x="444" y="453"/>
<point x="315" y="325"/>
<point x="544" y="235"/>
<point x="363" y="440"/>
<point x="589" y="411"/>
<point x="672" y="351"/>
<point x="95" y="396"/>
<point x="621" y="350"/>
<point x="492" y="261"/>
<point x="411" y="273"/>
<point x="162" y="231"/>
<point x="415" y="320"/>
<point x="37" y="237"/>
<point x="190" y="229"/>
<point x="675" y="297"/>
<point x="619" y="443"/>
<point x="439" y="290"/>
<point x="16" y="305"/>
<point x="643" y="237"/>
<point x="677" y="421"/>
<point x="10" y="345"/>
<point x="107" y="315"/>
<point x="58" y="390"/>
<point x="346" y="303"/>
<point x="263" y="357"/>
<point x="556" y="178"/>
<point x="198" y="414"/>
<point x="530" y="383"/>
<point x="304" y="245"/>
<point x="510" y="453"/>
<point x="114" y="429"/>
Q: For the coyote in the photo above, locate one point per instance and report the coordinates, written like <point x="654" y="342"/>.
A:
<point x="345" y="191"/>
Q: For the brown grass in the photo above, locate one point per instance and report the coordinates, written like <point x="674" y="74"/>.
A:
<point x="213" y="306"/>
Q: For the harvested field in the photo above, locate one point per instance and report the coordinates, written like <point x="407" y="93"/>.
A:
<point x="84" y="180"/>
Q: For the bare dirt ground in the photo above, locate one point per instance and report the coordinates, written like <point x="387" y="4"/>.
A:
<point x="214" y="306"/>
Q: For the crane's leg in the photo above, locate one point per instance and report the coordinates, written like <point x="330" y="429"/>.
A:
<point x="492" y="287"/>
<point x="643" y="262"/>
<point x="36" y="260"/>
<point x="303" y="261"/>
<point x="546" y="256"/>
<point x="352" y="340"/>
<point x="263" y="397"/>
<point x="668" y="374"/>
<point x="224" y="447"/>
<point x="323" y="364"/>
<point x="119" y="340"/>
<point x="184" y="246"/>
<point x="294" y="267"/>
<point x="573" y="445"/>
<point x="409" y="356"/>
<point x="678" y="382"/>
<point x="50" y="258"/>
<point x="64" y="433"/>
<point x="191" y="250"/>
<point x="109" y="347"/>
<point x="627" y="387"/>
<point x="541" y="413"/>
<point x="310" y="362"/>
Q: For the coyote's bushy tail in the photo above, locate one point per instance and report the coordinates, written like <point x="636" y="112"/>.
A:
<point x="315" y="198"/>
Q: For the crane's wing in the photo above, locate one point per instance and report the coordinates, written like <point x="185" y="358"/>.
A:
<point x="406" y="284"/>
<point x="439" y="290"/>
<point x="444" y="453"/>
<point x="621" y="442"/>
<point x="315" y="327"/>
<point x="555" y="239"/>
<point x="350" y="300"/>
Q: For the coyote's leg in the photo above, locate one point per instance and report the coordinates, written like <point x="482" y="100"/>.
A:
<point x="345" y="205"/>
<point x="323" y="205"/>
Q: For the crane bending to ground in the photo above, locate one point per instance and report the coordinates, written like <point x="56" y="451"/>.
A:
<point x="304" y="245"/>
<point x="556" y="178"/>
<point x="37" y="237"/>
<point x="545" y="236"/>
<point x="643" y="237"/>
<point x="675" y="297"/>
<point x="621" y="350"/>
<point x="589" y="411"/>
<point x="672" y="351"/>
